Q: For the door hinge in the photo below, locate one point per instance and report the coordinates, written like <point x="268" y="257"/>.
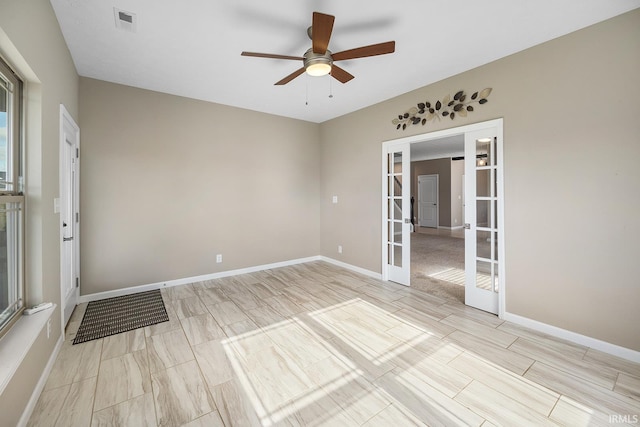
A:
<point x="77" y="153"/>
<point x="77" y="216"/>
<point x="77" y="282"/>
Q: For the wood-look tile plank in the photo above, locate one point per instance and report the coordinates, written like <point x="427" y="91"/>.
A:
<point x="422" y="305"/>
<point x="177" y="292"/>
<point x="261" y="291"/>
<point x="424" y="322"/>
<point x="245" y="338"/>
<point x="440" y="376"/>
<point x="499" y="408"/>
<point x="168" y="349"/>
<point x="75" y="363"/>
<point x="187" y="307"/>
<point x="581" y="390"/>
<point x="375" y="317"/>
<point x="212" y="419"/>
<point x="568" y="349"/>
<point x="299" y="343"/>
<point x="138" y="411"/>
<point x="426" y="403"/>
<point x="68" y="405"/>
<point x="380" y="292"/>
<point x="534" y="396"/>
<point x="122" y="378"/>
<point x="349" y="354"/>
<point x="356" y="331"/>
<point x="210" y="296"/>
<point x="392" y="416"/>
<point x="622" y="365"/>
<point x="316" y="409"/>
<point x="275" y="377"/>
<point x="568" y="412"/>
<point x="265" y="316"/>
<point x="628" y="385"/>
<point x="495" y="336"/>
<point x="246" y="300"/>
<point x="601" y="375"/>
<point x="180" y="395"/>
<point x="474" y="314"/>
<point x="235" y="407"/>
<point x="226" y="312"/>
<point x="284" y="305"/>
<point x="123" y="343"/>
<point x="203" y="328"/>
<point x="213" y="359"/>
<point x="510" y="360"/>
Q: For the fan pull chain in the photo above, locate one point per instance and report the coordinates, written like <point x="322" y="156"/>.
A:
<point x="306" y="94"/>
<point x="330" y="84"/>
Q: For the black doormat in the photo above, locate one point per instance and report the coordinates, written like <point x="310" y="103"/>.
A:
<point x="121" y="314"/>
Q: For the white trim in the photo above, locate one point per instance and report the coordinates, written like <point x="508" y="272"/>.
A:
<point x="186" y="280"/>
<point x="28" y="410"/>
<point x="352" y="267"/>
<point x="594" y="343"/>
<point x="15" y="345"/>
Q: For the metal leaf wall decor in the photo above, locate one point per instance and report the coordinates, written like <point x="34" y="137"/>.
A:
<point x="459" y="105"/>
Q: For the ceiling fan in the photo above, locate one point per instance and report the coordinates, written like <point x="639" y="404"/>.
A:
<point x="318" y="60"/>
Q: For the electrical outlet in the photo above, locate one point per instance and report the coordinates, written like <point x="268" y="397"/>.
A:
<point x="339" y="249"/>
<point x="334" y="199"/>
<point x="48" y="328"/>
<point x="219" y="258"/>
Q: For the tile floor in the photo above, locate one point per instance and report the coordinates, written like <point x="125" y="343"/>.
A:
<point x="315" y="344"/>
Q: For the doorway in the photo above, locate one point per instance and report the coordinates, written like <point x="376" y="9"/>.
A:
<point x="428" y="201"/>
<point x="483" y="210"/>
<point x="69" y="214"/>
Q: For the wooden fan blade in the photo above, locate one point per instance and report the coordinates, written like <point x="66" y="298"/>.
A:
<point x="339" y="74"/>
<point x="364" y="51"/>
<point x="321" y="29"/>
<point x="270" y="55"/>
<point x="291" y="77"/>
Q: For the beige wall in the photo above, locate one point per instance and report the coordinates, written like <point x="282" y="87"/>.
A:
<point x="169" y="182"/>
<point x="567" y="105"/>
<point x="442" y="168"/>
<point x="31" y="40"/>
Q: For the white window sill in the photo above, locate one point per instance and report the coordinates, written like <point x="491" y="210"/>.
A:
<point x="15" y="345"/>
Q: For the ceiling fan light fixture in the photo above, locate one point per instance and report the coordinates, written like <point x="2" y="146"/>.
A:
<point x="318" y="69"/>
<point x="316" y="64"/>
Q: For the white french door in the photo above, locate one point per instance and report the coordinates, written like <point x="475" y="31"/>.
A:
<point x="483" y="205"/>
<point x="69" y="213"/>
<point x="397" y="212"/>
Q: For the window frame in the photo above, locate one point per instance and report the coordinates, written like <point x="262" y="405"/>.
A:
<point x="11" y="192"/>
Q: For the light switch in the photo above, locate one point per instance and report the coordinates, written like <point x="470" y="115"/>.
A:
<point x="335" y="199"/>
<point x="56" y="205"/>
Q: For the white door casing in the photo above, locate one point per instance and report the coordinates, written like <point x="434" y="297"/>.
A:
<point x="397" y="212"/>
<point x="428" y="200"/>
<point x="390" y="272"/>
<point x="69" y="213"/>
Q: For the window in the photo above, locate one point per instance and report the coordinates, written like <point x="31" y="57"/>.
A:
<point x="11" y="199"/>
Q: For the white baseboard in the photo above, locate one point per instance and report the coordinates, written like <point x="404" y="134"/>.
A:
<point x="28" y="410"/>
<point x="574" y="337"/>
<point x="186" y="280"/>
<point x="351" y="267"/>
<point x="450" y="228"/>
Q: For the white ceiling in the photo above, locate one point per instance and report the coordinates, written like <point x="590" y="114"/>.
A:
<point x="192" y="48"/>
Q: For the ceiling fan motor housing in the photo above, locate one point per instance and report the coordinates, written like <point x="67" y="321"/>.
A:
<point x="312" y="58"/>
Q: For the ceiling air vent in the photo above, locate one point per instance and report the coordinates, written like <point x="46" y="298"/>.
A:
<point x="125" y="20"/>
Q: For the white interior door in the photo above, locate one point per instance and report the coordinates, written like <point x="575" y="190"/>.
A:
<point x="483" y="192"/>
<point x="428" y="200"/>
<point x="69" y="213"/>
<point x="397" y="213"/>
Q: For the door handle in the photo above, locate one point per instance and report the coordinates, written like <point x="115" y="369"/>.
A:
<point x="67" y="239"/>
<point x="407" y="220"/>
<point x="467" y="226"/>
